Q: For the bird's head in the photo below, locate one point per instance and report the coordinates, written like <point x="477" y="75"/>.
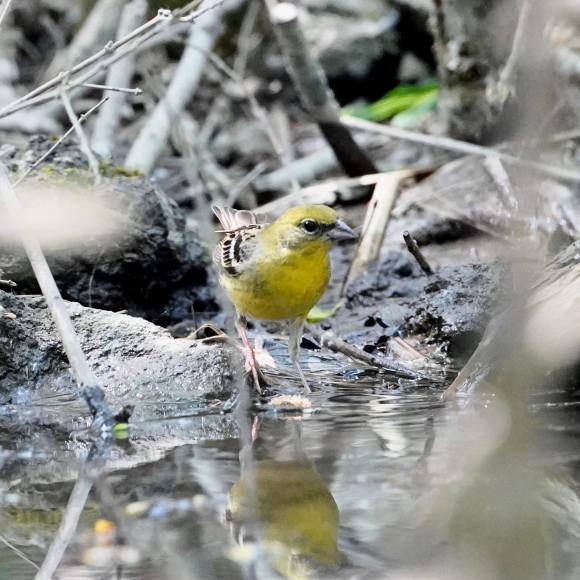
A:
<point x="304" y="225"/>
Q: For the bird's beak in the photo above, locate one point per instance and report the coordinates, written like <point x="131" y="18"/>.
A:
<point x="341" y="231"/>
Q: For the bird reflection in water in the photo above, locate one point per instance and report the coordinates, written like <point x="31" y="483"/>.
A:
<point x="283" y="503"/>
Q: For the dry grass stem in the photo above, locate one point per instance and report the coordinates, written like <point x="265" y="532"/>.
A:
<point x="153" y="136"/>
<point x="376" y="222"/>
<point x="5" y="7"/>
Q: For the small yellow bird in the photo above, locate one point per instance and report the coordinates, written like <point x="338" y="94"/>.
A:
<point x="276" y="271"/>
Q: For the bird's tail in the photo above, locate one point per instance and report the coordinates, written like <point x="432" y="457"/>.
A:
<point x="234" y="219"/>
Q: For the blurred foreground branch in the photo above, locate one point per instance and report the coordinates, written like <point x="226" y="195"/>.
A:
<point x="80" y="367"/>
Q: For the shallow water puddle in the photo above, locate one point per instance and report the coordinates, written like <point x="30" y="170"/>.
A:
<point x="354" y="487"/>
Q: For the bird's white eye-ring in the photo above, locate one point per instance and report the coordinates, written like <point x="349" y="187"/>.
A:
<point x="309" y="226"/>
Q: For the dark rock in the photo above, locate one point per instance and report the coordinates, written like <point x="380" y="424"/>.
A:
<point x="142" y="260"/>
<point x="450" y="308"/>
<point x="456" y="305"/>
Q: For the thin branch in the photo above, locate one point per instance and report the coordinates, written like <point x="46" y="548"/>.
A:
<point x="506" y="76"/>
<point x="163" y="16"/>
<point x="260" y="115"/>
<point x="244" y="182"/>
<point x="18" y="552"/>
<point x="245" y="36"/>
<point x="153" y="136"/>
<point x="80" y="120"/>
<point x="70" y="518"/>
<point x="355" y="353"/>
<point x="416" y="253"/>
<point x="191" y="18"/>
<point x="136" y="92"/>
<point x="460" y="147"/>
<point x="83" y="141"/>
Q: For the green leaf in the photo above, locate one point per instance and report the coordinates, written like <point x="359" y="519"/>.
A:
<point x="397" y="101"/>
<point x="121" y="431"/>
<point x="319" y="314"/>
<point x="414" y="115"/>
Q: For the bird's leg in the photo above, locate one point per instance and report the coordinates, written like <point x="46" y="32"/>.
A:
<point x="250" y="362"/>
<point x="295" y="333"/>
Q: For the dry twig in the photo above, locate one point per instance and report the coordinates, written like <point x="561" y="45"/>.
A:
<point x="416" y="253"/>
<point x="83" y="374"/>
<point x="5" y="7"/>
<point x="139" y="35"/>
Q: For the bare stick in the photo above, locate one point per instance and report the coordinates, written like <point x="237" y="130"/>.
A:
<point x="416" y="253"/>
<point x="353" y="352"/>
<point x="119" y="75"/>
<point x="312" y="86"/>
<point x="84" y="142"/>
<point x="5" y="7"/>
<point x="245" y="36"/>
<point x="506" y="75"/>
<point x="376" y="222"/>
<point x="83" y="374"/>
<point x="80" y="120"/>
<point x="460" y="147"/>
<point x="153" y="136"/>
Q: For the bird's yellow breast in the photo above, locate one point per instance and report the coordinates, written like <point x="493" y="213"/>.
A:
<point x="281" y="285"/>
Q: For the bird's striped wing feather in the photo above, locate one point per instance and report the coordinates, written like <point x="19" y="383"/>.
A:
<point x="240" y="228"/>
<point x="233" y="251"/>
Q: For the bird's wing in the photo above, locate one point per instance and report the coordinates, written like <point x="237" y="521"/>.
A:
<point x="236" y="248"/>
<point x="234" y="219"/>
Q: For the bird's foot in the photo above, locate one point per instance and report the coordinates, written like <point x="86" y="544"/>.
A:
<point x="253" y="369"/>
<point x="307" y="389"/>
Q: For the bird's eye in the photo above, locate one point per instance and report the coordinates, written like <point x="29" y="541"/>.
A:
<point x="309" y="226"/>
